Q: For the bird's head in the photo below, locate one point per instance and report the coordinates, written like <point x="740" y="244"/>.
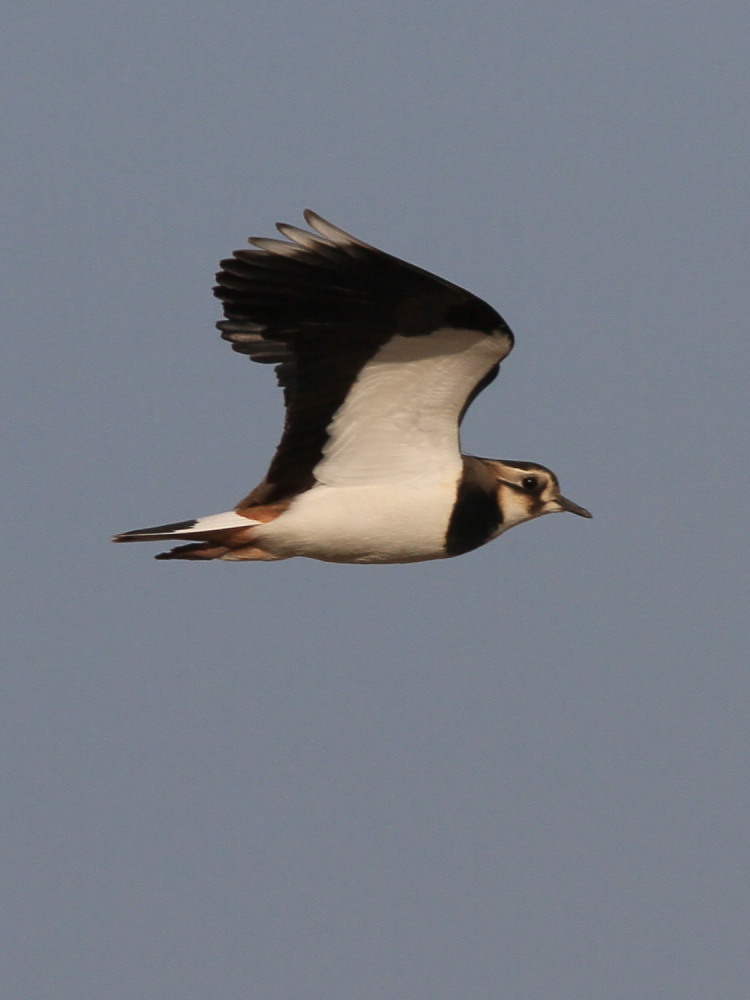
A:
<point x="526" y="490"/>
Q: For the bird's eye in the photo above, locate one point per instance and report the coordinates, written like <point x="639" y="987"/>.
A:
<point x="530" y="484"/>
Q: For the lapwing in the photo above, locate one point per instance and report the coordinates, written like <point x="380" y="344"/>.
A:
<point x="378" y="361"/>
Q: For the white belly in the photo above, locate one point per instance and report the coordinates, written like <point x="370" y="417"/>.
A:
<point x="363" y="524"/>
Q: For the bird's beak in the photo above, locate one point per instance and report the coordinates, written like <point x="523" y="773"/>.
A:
<point x="566" y="504"/>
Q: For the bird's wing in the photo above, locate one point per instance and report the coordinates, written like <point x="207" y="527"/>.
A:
<point x="378" y="359"/>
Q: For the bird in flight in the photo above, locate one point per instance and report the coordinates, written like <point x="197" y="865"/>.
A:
<point x="378" y="361"/>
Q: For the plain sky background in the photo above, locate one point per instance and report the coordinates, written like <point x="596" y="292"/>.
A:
<point x="520" y="774"/>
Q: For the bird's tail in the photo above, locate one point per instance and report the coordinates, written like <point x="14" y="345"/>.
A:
<point x="218" y="536"/>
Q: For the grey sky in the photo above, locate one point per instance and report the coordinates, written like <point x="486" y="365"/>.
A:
<point x="520" y="774"/>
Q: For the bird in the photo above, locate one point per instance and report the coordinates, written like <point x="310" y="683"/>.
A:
<point x="378" y="361"/>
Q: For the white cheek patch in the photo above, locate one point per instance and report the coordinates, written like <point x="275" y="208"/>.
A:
<point x="399" y="422"/>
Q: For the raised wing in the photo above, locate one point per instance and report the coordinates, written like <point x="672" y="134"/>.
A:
<point x="378" y="358"/>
